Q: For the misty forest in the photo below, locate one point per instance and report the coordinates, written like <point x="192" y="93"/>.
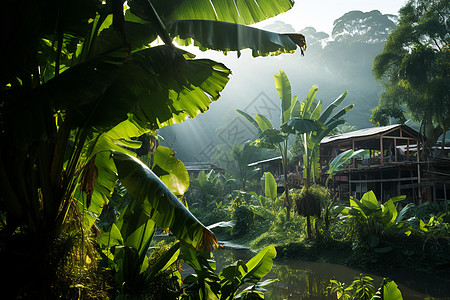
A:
<point x="176" y="150"/>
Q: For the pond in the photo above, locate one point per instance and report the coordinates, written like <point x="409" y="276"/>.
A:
<point x="299" y="279"/>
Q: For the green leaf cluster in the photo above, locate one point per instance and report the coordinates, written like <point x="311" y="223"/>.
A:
<point x="311" y="124"/>
<point x="414" y="69"/>
<point x="374" y="219"/>
<point x="362" y="288"/>
<point x="207" y="284"/>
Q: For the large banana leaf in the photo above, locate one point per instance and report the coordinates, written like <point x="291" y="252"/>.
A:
<point x="160" y="87"/>
<point x="160" y="204"/>
<point x="326" y="130"/>
<point x="261" y="264"/>
<point x="343" y="158"/>
<point x="240" y="11"/>
<point x="175" y="176"/>
<point x="326" y="114"/>
<point x="301" y="125"/>
<point x="263" y="122"/>
<point x="138" y="36"/>
<point x="85" y="82"/>
<point x="98" y="149"/>
<point x="308" y="101"/>
<point x="234" y="37"/>
<point x="250" y="119"/>
<point x="284" y="92"/>
<point x="270" y="185"/>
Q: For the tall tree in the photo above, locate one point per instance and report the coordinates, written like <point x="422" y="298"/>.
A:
<point x="357" y="26"/>
<point x="414" y="68"/>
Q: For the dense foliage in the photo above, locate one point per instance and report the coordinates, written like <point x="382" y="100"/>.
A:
<point x="77" y="88"/>
<point x="414" y="69"/>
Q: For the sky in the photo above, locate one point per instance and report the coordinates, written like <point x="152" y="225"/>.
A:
<point x="320" y="14"/>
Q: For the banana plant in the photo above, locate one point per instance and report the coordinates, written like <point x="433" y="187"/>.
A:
<point x="311" y="109"/>
<point x="272" y="138"/>
<point x="81" y="69"/>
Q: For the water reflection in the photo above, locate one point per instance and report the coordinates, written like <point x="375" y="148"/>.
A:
<point x="308" y="280"/>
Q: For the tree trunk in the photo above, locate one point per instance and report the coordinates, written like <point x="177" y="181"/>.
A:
<point x="308" y="176"/>
<point x="308" y="226"/>
<point x="287" y="200"/>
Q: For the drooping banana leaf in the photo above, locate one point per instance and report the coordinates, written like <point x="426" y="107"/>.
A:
<point x="225" y="37"/>
<point x="86" y="81"/>
<point x="263" y="122"/>
<point x="240" y="11"/>
<point x="271" y="137"/>
<point x="160" y="204"/>
<point x="250" y="119"/>
<point x="99" y="149"/>
<point x="160" y="87"/>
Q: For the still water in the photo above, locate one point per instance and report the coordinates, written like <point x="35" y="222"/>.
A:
<point x="300" y="279"/>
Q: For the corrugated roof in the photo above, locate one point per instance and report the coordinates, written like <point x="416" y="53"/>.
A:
<point x="361" y="133"/>
<point x="264" y="161"/>
<point x="201" y="166"/>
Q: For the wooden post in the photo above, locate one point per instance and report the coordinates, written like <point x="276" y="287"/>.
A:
<point x="407" y="150"/>
<point x="395" y="149"/>
<point x="381" y="149"/>
<point x="445" y="193"/>
<point x="349" y="185"/>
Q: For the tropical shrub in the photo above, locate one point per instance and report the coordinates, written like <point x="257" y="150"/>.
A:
<point x="309" y="203"/>
<point x="362" y="288"/>
<point x="309" y="111"/>
<point x="208" y="188"/>
<point x="244" y="218"/>
<point x="207" y="284"/>
<point x="371" y="219"/>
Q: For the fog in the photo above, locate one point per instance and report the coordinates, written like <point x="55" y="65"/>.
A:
<point x="338" y="63"/>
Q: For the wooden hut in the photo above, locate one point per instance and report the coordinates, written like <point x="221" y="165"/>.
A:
<point x="392" y="167"/>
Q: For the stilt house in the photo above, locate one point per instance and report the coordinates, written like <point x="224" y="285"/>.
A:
<point x="393" y="166"/>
